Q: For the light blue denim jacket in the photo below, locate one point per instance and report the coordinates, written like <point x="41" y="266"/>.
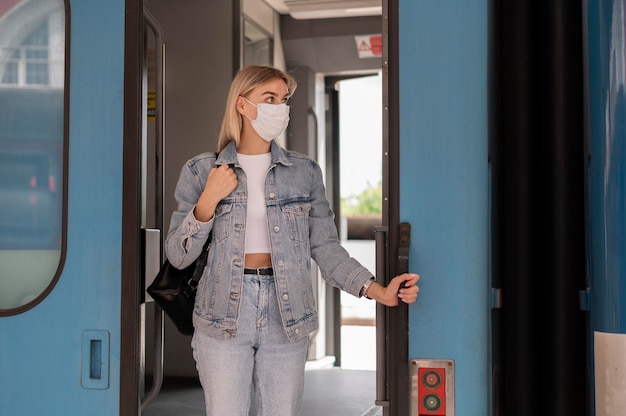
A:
<point x="301" y="226"/>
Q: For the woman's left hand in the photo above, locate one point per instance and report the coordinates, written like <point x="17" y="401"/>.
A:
<point x="402" y="287"/>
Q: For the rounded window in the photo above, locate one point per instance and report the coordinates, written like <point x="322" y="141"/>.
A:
<point x="32" y="150"/>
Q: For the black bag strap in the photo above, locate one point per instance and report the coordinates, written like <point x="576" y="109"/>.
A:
<point x="200" y="265"/>
<point x="201" y="261"/>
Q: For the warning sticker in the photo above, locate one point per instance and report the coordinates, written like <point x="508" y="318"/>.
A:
<point x="151" y="106"/>
<point x="370" y="46"/>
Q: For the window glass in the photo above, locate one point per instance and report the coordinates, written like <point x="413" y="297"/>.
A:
<point x="32" y="74"/>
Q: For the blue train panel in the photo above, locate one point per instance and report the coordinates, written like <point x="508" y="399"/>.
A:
<point x="60" y="206"/>
<point x="444" y="187"/>
<point x="607" y="200"/>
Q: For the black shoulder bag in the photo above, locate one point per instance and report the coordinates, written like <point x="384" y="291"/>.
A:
<point x="174" y="290"/>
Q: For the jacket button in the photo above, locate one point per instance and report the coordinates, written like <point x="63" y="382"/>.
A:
<point x="272" y="195"/>
<point x="285" y="297"/>
<point x="297" y="331"/>
<point x="276" y="229"/>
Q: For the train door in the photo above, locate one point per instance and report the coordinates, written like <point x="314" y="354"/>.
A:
<point x="454" y="185"/>
<point x="194" y="106"/>
<point x="63" y="192"/>
<point x="440" y="183"/>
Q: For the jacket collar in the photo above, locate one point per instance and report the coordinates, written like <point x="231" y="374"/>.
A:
<point x="228" y="156"/>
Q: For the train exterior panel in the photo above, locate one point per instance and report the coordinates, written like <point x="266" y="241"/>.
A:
<point x="61" y="356"/>
<point x="606" y="166"/>
<point x="444" y="192"/>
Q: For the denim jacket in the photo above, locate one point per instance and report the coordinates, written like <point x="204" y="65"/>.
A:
<point x="301" y="226"/>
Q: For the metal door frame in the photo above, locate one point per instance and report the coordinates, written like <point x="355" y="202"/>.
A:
<point x="131" y="212"/>
<point x="395" y="396"/>
<point x="393" y="389"/>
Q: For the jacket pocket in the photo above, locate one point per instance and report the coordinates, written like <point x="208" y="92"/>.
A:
<point x="296" y="214"/>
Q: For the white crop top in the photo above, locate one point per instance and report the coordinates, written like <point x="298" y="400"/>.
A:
<point x="257" y="233"/>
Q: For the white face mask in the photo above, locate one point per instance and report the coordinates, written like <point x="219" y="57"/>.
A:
<point x="271" y="119"/>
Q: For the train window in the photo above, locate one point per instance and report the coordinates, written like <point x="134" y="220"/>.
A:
<point x="32" y="126"/>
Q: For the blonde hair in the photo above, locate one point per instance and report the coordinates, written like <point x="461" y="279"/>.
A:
<point x="245" y="81"/>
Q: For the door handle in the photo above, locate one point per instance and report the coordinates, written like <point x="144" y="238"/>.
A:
<point x="95" y="360"/>
<point x="382" y="315"/>
<point x="403" y="248"/>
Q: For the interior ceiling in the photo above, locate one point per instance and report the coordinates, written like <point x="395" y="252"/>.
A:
<point x="326" y="9"/>
<point x="321" y="34"/>
<point x="329" y="45"/>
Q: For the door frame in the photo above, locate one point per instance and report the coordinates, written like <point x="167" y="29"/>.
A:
<point x="396" y="320"/>
<point x="132" y="280"/>
<point x="396" y="373"/>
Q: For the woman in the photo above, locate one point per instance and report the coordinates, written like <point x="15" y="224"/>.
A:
<point x="268" y="214"/>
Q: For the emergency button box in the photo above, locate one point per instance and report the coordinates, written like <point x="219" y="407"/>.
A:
<point x="432" y="387"/>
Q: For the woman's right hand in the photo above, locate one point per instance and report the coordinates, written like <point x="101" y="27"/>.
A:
<point x="220" y="183"/>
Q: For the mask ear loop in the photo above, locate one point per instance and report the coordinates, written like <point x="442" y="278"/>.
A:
<point x="255" y="106"/>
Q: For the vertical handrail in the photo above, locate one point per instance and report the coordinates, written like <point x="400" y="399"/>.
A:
<point x="160" y="117"/>
<point x="153" y="24"/>
<point x="382" y="393"/>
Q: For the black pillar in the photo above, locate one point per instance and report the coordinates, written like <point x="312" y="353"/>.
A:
<point x="537" y="154"/>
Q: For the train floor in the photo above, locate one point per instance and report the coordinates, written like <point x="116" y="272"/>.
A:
<point x="328" y="392"/>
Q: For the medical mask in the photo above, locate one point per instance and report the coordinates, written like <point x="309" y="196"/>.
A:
<point x="271" y="119"/>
